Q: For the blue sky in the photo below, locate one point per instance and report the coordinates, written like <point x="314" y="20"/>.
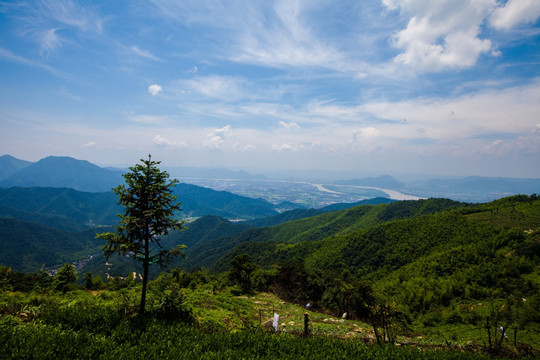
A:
<point x="436" y="87"/>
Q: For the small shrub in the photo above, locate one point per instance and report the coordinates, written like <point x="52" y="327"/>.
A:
<point x="173" y="306"/>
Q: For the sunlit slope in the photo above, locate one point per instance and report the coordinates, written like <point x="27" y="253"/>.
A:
<point x="292" y="239"/>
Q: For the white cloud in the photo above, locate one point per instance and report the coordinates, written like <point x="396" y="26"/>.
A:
<point x="284" y="147"/>
<point x="154" y="89"/>
<point x="215" y="139"/>
<point x="441" y="34"/>
<point x="162" y="141"/>
<point x="515" y="12"/>
<point x="89" y="144"/>
<point x="226" y="130"/>
<point x="290" y="125"/>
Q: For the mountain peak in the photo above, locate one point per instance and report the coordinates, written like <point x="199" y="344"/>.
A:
<point x="10" y="164"/>
<point x="63" y="171"/>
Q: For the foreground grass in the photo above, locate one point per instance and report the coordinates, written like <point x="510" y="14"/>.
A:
<point x="101" y="325"/>
<point x="152" y="339"/>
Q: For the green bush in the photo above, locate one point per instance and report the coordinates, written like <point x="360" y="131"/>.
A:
<point x="172" y="306"/>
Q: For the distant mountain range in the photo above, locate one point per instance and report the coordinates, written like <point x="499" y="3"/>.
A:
<point x="10" y="165"/>
<point x="55" y="171"/>
<point x="59" y="171"/>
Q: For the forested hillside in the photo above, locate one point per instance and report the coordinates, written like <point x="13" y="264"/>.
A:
<point x="29" y="247"/>
<point x="301" y="234"/>
<point x="434" y="264"/>
<point x="62" y="208"/>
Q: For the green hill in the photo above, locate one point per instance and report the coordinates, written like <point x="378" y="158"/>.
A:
<point x="284" y="217"/>
<point x="61" y="208"/>
<point x="204" y="230"/>
<point x="301" y="234"/>
<point x="28" y="247"/>
<point x="200" y="201"/>
<point x="436" y="266"/>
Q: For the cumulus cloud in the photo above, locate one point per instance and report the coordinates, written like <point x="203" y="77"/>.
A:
<point x="515" y="12"/>
<point x="441" y="34"/>
<point x="215" y="139"/>
<point x="164" y="142"/>
<point x="154" y="89"/>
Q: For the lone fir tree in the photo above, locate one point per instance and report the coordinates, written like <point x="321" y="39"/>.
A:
<point x="149" y="206"/>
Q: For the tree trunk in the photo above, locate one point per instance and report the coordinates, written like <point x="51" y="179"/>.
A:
<point x="146" y="265"/>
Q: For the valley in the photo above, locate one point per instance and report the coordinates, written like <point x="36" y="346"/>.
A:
<point x="303" y="194"/>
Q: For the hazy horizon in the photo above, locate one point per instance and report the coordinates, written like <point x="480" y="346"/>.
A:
<point x="446" y="88"/>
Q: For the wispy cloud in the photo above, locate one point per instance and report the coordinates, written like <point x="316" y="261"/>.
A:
<point x="50" y="42"/>
<point x="145" y="54"/>
<point x="148" y="119"/>
<point x="217" y="87"/>
<point x="42" y="20"/>
<point x="68" y="95"/>
<point x="8" y="55"/>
